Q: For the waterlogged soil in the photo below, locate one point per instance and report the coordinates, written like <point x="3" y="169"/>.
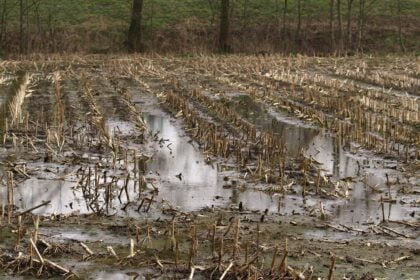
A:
<point x="186" y="185"/>
<point x="309" y="245"/>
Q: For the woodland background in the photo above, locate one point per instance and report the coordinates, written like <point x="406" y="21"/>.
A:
<point x="313" y="27"/>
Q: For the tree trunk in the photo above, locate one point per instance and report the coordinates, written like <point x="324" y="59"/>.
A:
<point x="245" y="16"/>
<point x="213" y="11"/>
<point x="349" y="7"/>
<point x="152" y="18"/>
<point x="340" y="27"/>
<point x="21" y="43"/>
<point x="332" y="25"/>
<point x="284" y="18"/>
<point x="134" y="32"/>
<point x="27" y="39"/>
<point x="224" y="27"/>
<point x="299" y="23"/>
<point x="284" y="26"/>
<point x="400" y="38"/>
<point x="3" y="23"/>
<point x="361" y="24"/>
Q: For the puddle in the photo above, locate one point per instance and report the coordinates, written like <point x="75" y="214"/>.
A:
<point x="83" y="235"/>
<point x="362" y="205"/>
<point x="125" y="274"/>
<point x="201" y="185"/>
<point x="178" y="169"/>
<point x="297" y="135"/>
<point x="32" y="192"/>
<point x="317" y="234"/>
<point x="197" y="183"/>
<point x="122" y="128"/>
<point x="321" y="147"/>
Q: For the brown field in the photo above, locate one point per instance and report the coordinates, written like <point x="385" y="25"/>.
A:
<point x="210" y="167"/>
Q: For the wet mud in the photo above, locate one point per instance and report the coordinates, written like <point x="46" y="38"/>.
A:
<point x="163" y="168"/>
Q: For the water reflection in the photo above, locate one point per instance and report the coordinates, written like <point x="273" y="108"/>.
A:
<point x="122" y="274"/>
<point x="199" y="183"/>
<point x="296" y="136"/>
<point x="34" y="191"/>
<point x="362" y="204"/>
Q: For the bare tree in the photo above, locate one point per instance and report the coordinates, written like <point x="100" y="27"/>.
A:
<point x="52" y="31"/>
<point x="399" y="14"/>
<point x="37" y="15"/>
<point x="212" y="6"/>
<point x="299" y="23"/>
<point x="24" y="8"/>
<point x="361" y="23"/>
<point x="3" y="21"/>
<point x="284" y="31"/>
<point x="349" y="10"/>
<point x="245" y="15"/>
<point x="340" y="27"/>
<point x="21" y="34"/>
<point x="224" y="27"/>
<point x="27" y="41"/>
<point x="284" y="19"/>
<point x="332" y="25"/>
<point x="134" y="32"/>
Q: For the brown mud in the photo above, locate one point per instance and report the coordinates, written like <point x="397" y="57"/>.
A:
<point x="206" y="167"/>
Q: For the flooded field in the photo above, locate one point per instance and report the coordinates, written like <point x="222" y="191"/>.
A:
<point x="236" y="167"/>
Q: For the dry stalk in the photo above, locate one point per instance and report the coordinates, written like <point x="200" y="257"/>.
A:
<point x="15" y="106"/>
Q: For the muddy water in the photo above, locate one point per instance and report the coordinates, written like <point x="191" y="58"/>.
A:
<point x="119" y="275"/>
<point x="296" y="134"/>
<point x="362" y="204"/>
<point x="136" y="274"/>
<point x="44" y="187"/>
<point x="197" y="183"/>
<point x="323" y="148"/>
<point x="200" y="184"/>
<point x="178" y="169"/>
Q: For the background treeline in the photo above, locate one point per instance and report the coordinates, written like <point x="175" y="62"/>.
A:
<point x="201" y="26"/>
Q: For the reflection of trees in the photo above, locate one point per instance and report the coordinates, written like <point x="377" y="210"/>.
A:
<point x="363" y="207"/>
<point x="198" y="180"/>
<point x="235" y="196"/>
<point x="183" y="158"/>
<point x="296" y="137"/>
<point x="35" y="191"/>
<point x="346" y="166"/>
<point x="336" y="159"/>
